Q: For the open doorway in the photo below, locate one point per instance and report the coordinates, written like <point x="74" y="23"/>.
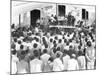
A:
<point x="35" y="14"/>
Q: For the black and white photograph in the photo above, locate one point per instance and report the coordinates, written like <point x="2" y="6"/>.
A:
<point x="52" y="37"/>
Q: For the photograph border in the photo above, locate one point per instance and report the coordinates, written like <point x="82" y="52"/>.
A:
<point x="52" y="3"/>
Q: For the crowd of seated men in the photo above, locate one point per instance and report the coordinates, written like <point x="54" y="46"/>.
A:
<point x="36" y="50"/>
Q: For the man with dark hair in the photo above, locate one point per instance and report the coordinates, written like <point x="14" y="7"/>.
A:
<point x="56" y="38"/>
<point x="19" y="42"/>
<point x="51" y="40"/>
<point x="35" y="45"/>
<point x="72" y="63"/>
<point x="58" y="48"/>
<point x="13" y="46"/>
<point x="89" y="44"/>
<point x="54" y="51"/>
<point x="13" y="52"/>
<point x="36" y="63"/>
<point x="45" y="56"/>
<point x="57" y="64"/>
<point x="60" y="41"/>
<point x="21" y="47"/>
<point x="14" y="61"/>
<point x="15" y="40"/>
<point x="23" y="65"/>
<point x="81" y="60"/>
<point x="90" y="56"/>
<point x="66" y="57"/>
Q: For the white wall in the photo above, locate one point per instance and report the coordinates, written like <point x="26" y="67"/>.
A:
<point x="25" y="19"/>
<point x="24" y="8"/>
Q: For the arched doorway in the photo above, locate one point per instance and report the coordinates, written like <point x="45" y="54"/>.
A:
<point x="35" y="14"/>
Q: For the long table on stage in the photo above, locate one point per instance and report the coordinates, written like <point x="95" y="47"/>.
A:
<point x="59" y="26"/>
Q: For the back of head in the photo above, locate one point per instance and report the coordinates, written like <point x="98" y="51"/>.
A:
<point x="23" y="54"/>
<point x="15" y="39"/>
<point x="55" y="45"/>
<point x="36" y="53"/>
<point x="63" y="37"/>
<point x="58" y="48"/>
<point x="13" y="46"/>
<point x="54" y="42"/>
<point x="35" y="45"/>
<point x="13" y="52"/>
<point x="54" y="50"/>
<point x="37" y="40"/>
<point x="46" y="46"/>
<point x="80" y="53"/>
<point x="51" y="40"/>
<point x="67" y="43"/>
<point x="65" y="40"/>
<point x="60" y="41"/>
<point x="45" y="51"/>
<point x="56" y="37"/>
<point x="51" y="59"/>
<point x="79" y="47"/>
<point x="70" y="47"/>
<point x="73" y="55"/>
<point x="24" y="40"/>
<point x="89" y="44"/>
<point x="58" y="55"/>
<point x="65" y="51"/>
<point x="12" y="26"/>
<point x="21" y="46"/>
<point x="19" y="42"/>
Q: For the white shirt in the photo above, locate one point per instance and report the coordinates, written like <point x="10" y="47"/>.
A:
<point x="36" y="30"/>
<point x="90" y="55"/>
<point x="42" y="48"/>
<point x="30" y="45"/>
<point x="65" y="61"/>
<point x="71" y="36"/>
<point x="14" y="64"/>
<point x="45" y="57"/>
<point x="35" y="66"/>
<point x="58" y="65"/>
<point x="73" y="64"/>
<point x="66" y="47"/>
<point x="59" y="36"/>
<point x="25" y="45"/>
<point x="32" y="36"/>
<point x="38" y="46"/>
<point x="81" y="62"/>
<point x="23" y="67"/>
<point x="17" y="46"/>
<point x="21" y="38"/>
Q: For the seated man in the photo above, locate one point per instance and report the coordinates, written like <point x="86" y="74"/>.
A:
<point x="44" y="57"/>
<point x="15" y="61"/>
<point x="81" y="61"/>
<point x="36" y="63"/>
<point x="90" y="56"/>
<point x="23" y="65"/>
<point x="66" y="57"/>
<point x="72" y="63"/>
<point x="57" y="64"/>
